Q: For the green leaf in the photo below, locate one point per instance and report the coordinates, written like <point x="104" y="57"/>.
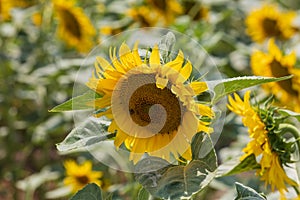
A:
<point x="249" y="163"/>
<point x="176" y="181"/>
<point x="247" y="193"/>
<point x="143" y="194"/>
<point x="227" y="86"/>
<point x="77" y="103"/>
<point x="89" y="192"/>
<point x="91" y="131"/>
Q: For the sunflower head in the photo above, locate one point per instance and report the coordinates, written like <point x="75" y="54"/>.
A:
<point x="144" y="16"/>
<point x="74" y="28"/>
<point x="268" y="22"/>
<point x="77" y="176"/>
<point x="275" y="64"/>
<point x="151" y="102"/>
<point x="267" y="142"/>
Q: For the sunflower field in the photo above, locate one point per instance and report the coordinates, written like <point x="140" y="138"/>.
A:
<point x="150" y="99"/>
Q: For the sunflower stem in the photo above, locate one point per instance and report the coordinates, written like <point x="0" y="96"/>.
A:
<point x="296" y="133"/>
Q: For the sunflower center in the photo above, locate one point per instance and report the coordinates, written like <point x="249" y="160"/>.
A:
<point x="82" y="179"/>
<point x="71" y="24"/>
<point x="270" y="27"/>
<point x="278" y="71"/>
<point x="162" y="104"/>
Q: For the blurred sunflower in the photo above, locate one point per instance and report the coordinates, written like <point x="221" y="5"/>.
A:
<point x="75" y="28"/>
<point x="155" y="12"/>
<point x="144" y="16"/>
<point x="77" y="176"/>
<point x="7" y="5"/>
<point x="265" y="143"/>
<point x="268" y="22"/>
<point x="168" y="9"/>
<point x="151" y="105"/>
<point x="275" y="64"/>
<point x="110" y="30"/>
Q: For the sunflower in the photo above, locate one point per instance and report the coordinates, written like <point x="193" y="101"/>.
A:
<point x="77" y="176"/>
<point x="144" y="16"/>
<point x="275" y="64"/>
<point x="74" y="28"/>
<point x="155" y="12"/>
<point x="110" y="30"/>
<point x="168" y="9"/>
<point x="151" y="104"/>
<point x="7" y="5"/>
<point x="271" y="170"/>
<point x="268" y="22"/>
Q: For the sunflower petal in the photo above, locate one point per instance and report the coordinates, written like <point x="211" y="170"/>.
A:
<point x="185" y="72"/>
<point x="136" y="55"/>
<point x="154" y="57"/>
<point x="198" y="87"/>
<point x="176" y="64"/>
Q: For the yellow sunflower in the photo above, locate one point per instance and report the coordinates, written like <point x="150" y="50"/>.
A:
<point x="168" y="9"/>
<point x="151" y="104"/>
<point x="275" y="64"/>
<point x="155" y="12"/>
<point x="7" y="5"/>
<point x="110" y="30"/>
<point x="268" y="22"/>
<point x="75" y="28"/>
<point x="77" y="176"/>
<point x="144" y="16"/>
<point x="271" y="170"/>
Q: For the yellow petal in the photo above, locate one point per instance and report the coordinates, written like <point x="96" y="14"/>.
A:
<point x="187" y="154"/>
<point x="274" y="50"/>
<point x="205" y="110"/>
<point x="198" y="87"/>
<point x="107" y="85"/>
<point x="117" y="65"/>
<point x="103" y="63"/>
<point x="120" y="138"/>
<point x="126" y="57"/>
<point x="136" y="55"/>
<point x="161" y="82"/>
<point x="112" y="127"/>
<point x="101" y="102"/>
<point x="154" y="57"/>
<point x="185" y="72"/>
<point x="176" y="64"/>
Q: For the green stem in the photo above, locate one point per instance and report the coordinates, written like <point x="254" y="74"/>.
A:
<point x="296" y="133"/>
